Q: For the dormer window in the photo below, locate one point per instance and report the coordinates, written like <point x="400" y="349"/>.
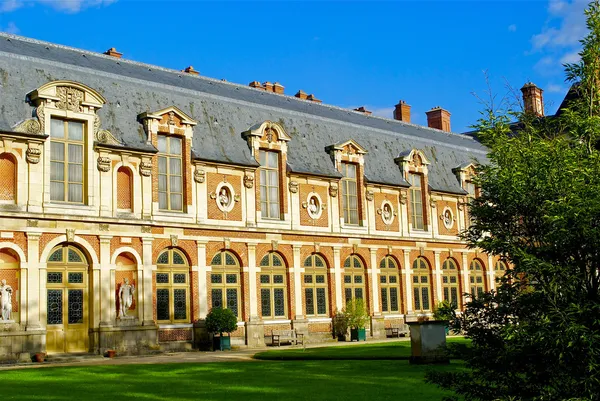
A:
<point x="416" y="201"/>
<point x="67" y="161"/>
<point x="413" y="164"/>
<point x="170" y="173"/>
<point x="349" y="193"/>
<point x="269" y="184"/>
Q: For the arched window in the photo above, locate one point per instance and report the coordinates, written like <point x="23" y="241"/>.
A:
<point x="8" y="184"/>
<point x="450" y="282"/>
<point x="315" y="286"/>
<point x="389" y="280"/>
<point x="476" y="278"/>
<point x="9" y="291"/>
<point x="273" y="287"/>
<point x="124" y="189"/>
<point x="421" y="286"/>
<point x="225" y="282"/>
<point x="500" y="269"/>
<point x="354" y="278"/>
<point x="67" y="167"/>
<point x="172" y="287"/>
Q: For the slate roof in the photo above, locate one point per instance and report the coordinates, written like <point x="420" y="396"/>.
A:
<point x="223" y="111"/>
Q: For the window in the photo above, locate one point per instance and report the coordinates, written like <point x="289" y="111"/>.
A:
<point x="225" y="282"/>
<point x="354" y="278"/>
<point x="269" y="184"/>
<point x="170" y="173"/>
<point x="273" y="287"/>
<point x="416" y="201"/>
<point x="389" y="281"/>
<point x="476" y="278"/>
<point x="500" y="269"/>
<point x="172" y="287"/>
<point x="66" y="161"/>
<point x="471" y="189"/>
<point x="349" y="193"/>
<point x="421" y="286"/>
<point x="315" y="286"/>
<point x="450" y="282"/>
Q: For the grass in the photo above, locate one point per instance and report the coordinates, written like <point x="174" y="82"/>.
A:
<point x="260" y="380"/>
<point x="397" y="350"/>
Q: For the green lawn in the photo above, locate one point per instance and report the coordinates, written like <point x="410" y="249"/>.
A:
<point x="260" y="380"/>
<point x="397" y="350"/>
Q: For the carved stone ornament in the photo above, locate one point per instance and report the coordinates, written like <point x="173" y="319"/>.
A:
<point x="447" y="218"/>
<point x="33" y="155"/>
<point x="274" y="245"/>
<point x="199" y="175"/>
<point x="248" y="181"/>
<point x="433" y="202"/>
<point x="317" y="247"/>
<point x="369" y="195"/>
<point x="32" y="223"/>
<point x="333" y="189"/>
<point x="293" y="187"/>
<point x="174" y="240"/>
<point x="403" y="198"/>
<point x="227" y="243"/>
<point x="146" y="229"/>
<point x="103" y="163"/>
<point x="33" y="125"/>
<point x="70" y="234"/>
<point x="69" y="98"/>
<point x="146" y="168"/>
<point x="103" y="136"/>
<point x="103" y="227"/>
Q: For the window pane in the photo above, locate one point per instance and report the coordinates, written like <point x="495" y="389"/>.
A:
<point x="162" y="165"/>
<point x="175" y="166"/>
<point x="54" y="307"/>
<point x="57" y="171"/>
<point x="175" y="146"/>
<point x="76" y="193"/>
<point x="358" y="293"/>
<point x="75" y="309"/>
<point x="321" y="301"/>
<point x="216" y="278"/>
<point x="162" y="304"/>
<point x="231" y="278"/>
<point x="262" y="159"/>
<point x="265" y="302"/>
<point x="57" y="128"/>
<point x="176" y="202"/>
<point x="162" y="200"/>
<point x="57" y="151"/>
<point x="75" y="131"/>
<point x="308" y="279"/>
<point x="310" y="305"/>
<point x="217" y="298"/>
<point x="274" y="210"/>
<point x="75" y="172"/>
<point x="393" y="300"/>
<point x="273" y="159"/>
<point x="176" y="183"/>
<point x="425" y="294"/>
<point x="348" y="294"/>
<point x="417" y="299"/>
<point x="162" y="144"/>
<point x="384" y="300"/>
<point x="162" y="183"/>
<point x="179" y="299"/>
<point x="232" y="301"/>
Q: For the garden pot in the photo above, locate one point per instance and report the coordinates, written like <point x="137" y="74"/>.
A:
<point x="111" y="353"/>
<point x="358" y="334"/>
<point x="39" y="357"/>
<point x="222" y="343"/>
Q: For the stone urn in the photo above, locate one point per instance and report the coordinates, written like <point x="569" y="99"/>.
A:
<point x="428" y="342"/>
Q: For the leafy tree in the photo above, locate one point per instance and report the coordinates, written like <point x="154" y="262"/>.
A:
<point x="537" y="337"/>
<point x="219" y="320"/>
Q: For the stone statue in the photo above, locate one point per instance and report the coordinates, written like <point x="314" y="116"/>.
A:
<point x="224" y="198"/>
<point x="5" y="300"/>
<point x="126" y="296"/>
<point x="387" y="213"/>
<point x="312" y="207"/>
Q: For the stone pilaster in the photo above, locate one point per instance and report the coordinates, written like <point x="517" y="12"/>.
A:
<point x="146" y="290"/>
<point x="337" y="273"/>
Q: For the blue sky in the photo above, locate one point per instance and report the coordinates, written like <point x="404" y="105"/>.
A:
<point x="348" y="54"/>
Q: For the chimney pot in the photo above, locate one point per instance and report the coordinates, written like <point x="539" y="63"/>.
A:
<point x="268" y="86"/>
<point x="438" y="118"/>
<point x="190" y="70"/>
<point x="256" y="84"/>
<point x="301" y="94"/>
<point x="113" y="52"/>
<point x="362" y="110"/>
<point x="402" y="112"/>
<point x="278" y="88"/>
<point x="533" y="99"/>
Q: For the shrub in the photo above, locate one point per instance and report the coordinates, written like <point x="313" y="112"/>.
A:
<point x="221" y="321"/>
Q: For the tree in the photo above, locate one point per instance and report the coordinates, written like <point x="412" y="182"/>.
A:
<point x="537" y="337"/>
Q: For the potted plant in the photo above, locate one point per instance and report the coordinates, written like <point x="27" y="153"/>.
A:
<point x="340" y="326"/>
<point x="357" y="316"/>
<point x="221" y="321"/>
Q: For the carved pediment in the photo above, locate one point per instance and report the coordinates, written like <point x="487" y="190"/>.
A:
<point x="413" y="157"/>
<point x="267" y="131"/>
<point x="67" y="95"/>
<point x="170" y="116"/>
<point x="350" y="147"/>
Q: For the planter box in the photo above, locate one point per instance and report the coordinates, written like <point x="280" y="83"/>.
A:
<point x="358" y="334"/>
<point x="428" y="342"/>
<point x="221" y="343"/>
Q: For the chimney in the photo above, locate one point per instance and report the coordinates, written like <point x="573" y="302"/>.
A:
<point x="301" y="94"/>
<point x="438" y="118"/>
<point x="362" y="110"/>
<point x="402" y="112"/>
<point x="313" y="98"/>
<point x="190" y="70"/>
<point x="256" y="84"/>
<point x="268" y="86"/>
<point x="533" y="99"/>
<point x="278" y="88"/>
<point x="113" y="52"/>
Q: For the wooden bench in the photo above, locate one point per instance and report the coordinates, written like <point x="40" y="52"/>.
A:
<point x="286" y="336"/>
<point x="397" y="330"/>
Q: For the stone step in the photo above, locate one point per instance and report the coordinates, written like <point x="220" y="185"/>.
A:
<point x="74" y="357"/>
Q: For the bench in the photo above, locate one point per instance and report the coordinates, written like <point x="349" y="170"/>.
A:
<point x="286" y="336"/>
<point x="397" y="330"/>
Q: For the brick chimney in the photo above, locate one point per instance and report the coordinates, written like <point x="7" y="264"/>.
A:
<point x="278" y="88"/>
<point x="268" y="86"/>
<point x="438" y="118"/>
<point x="402" y="112"/>
<point x="313" y="98"/>
<point x="113" y="52"/>
<point x="301" y="94"/>
<point x="190" y="70"/>
<point x="256" y="84"/>
<point x="362" y="110"/>
<point x="533" y="100"/>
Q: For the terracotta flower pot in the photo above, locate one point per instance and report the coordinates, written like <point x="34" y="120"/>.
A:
<point x="111" y="353"/>
<point x="39" y="356"/>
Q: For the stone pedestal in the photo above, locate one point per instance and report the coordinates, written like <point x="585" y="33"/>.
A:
<point x="428" y="342"/>
<point x="378" y="327"/>
<point x="17" y="344"/>
<point x="255" y="334"/>
<point x="127" y="338"/>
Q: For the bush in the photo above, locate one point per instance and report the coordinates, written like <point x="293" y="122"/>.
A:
<point x="356" y="313"/>
<point x="444" y="311"/>
<point x="340" y="325"/>
<point x="221" y="321"/>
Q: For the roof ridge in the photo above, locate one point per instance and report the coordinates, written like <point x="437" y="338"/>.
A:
<point x="9" y="36"/>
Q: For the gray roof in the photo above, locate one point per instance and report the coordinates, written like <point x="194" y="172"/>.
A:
<point x="223" y="111"/>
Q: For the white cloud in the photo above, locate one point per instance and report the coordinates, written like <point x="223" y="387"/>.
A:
<point x="512" y="28"/>
<point x="68" y="6"/>
<point x="572" y="57"/>
<point x="387" y="112"/>
<point x="554" y="88"/>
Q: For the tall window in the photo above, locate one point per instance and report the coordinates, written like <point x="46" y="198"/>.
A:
<point x="416" y="201"/>
<point x="225" y="282"/>
<point x="269" y="184"/>
<point x="499" y="269"/>
<point x="172" y="287"/>
<point x="315" y="286"/>
<point x="421" y="288"/>
<point x="389" y="280"/>
<point x="354" y="278"/>
<point x="349" y="193"/>
<point x="476" y="278"/>
<point x="450" y="282"/>
<point x="66" y="161"/>
<point x="170" y="173"/>
<point x="273" y="287"/>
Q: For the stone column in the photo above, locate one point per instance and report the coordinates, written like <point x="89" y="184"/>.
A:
<point x="255" y="333"/>
<point x="106" y="285"/>
<point x="202" y="286"/>
<point x="300" y="322"/>
<point x="491" y="274"/>
<point x="465" y="276"/>
<point x="377" y="320"/>
<point x="337" y="273"/>
<point x="35" y="287"/>
<point x="146" y="283"/>
<point x="408" y="282"/>
<point x="437" y="274"/>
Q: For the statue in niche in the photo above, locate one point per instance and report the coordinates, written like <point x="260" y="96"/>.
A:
<point x="387" y="212"/>
<point x="313" y="208"/>
<point x="126" y="296"/>
<point x="224" y="198"/>
<point x="5" y="300"/>
<point x="448" y="219"/>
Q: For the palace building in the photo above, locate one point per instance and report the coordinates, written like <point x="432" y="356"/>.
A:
<point x="205" y="193"/>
